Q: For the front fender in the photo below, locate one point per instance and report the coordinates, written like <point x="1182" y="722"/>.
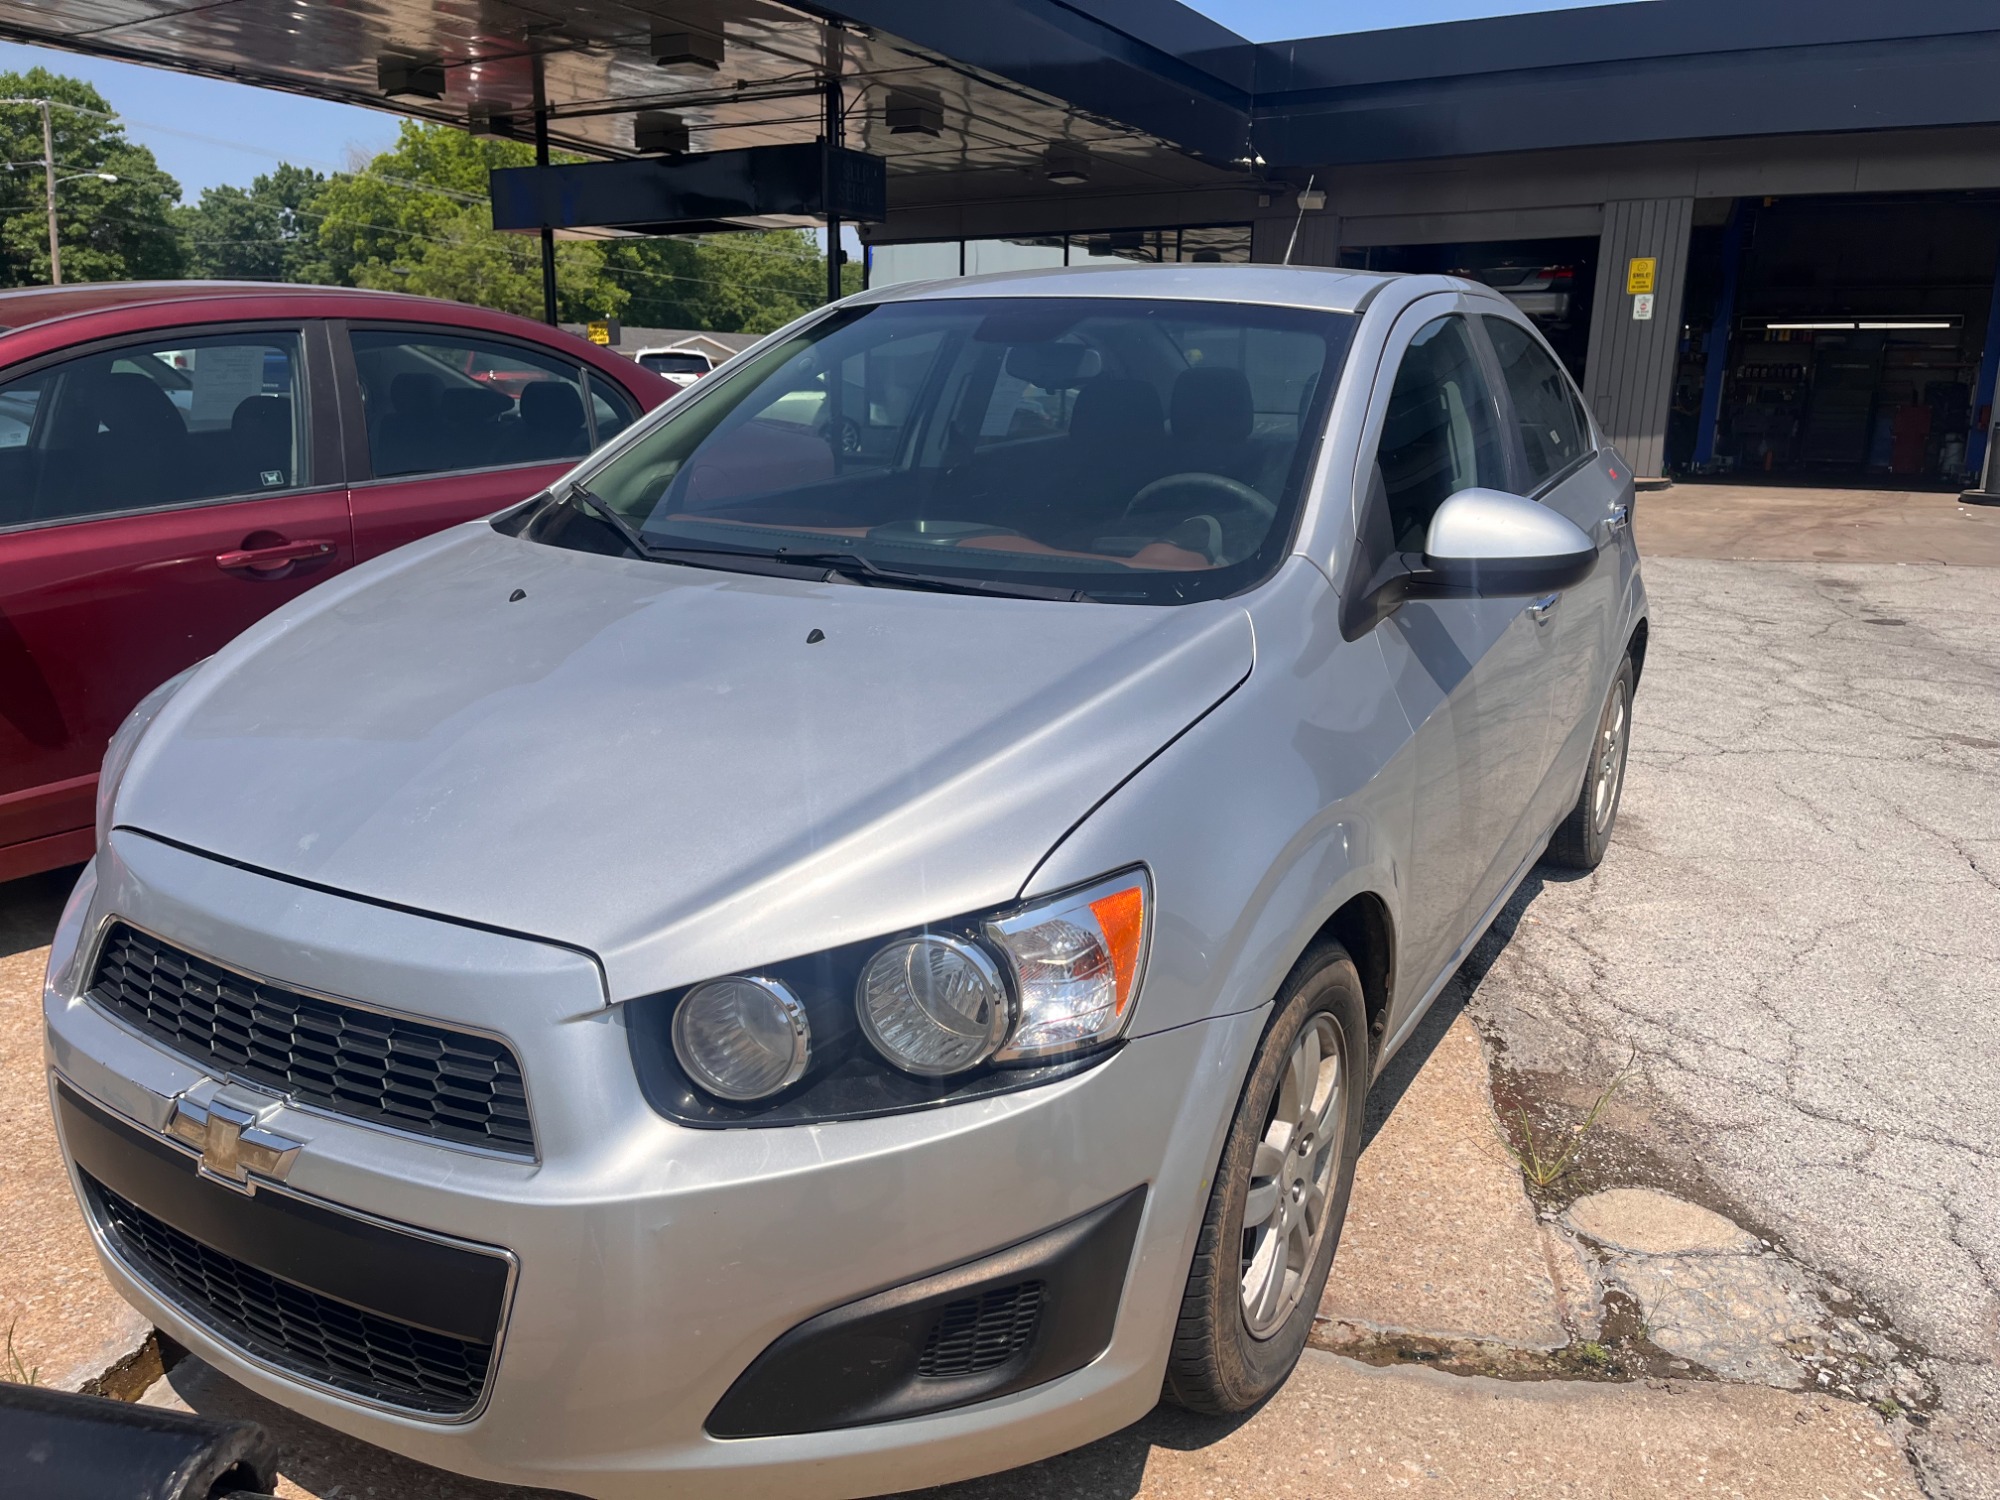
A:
<point x="1287" y="800"/>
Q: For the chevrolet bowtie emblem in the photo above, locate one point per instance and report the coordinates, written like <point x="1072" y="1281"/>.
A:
<point x="233" y="1143"/>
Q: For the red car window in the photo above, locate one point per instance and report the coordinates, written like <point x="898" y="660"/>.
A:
<point x="177" y="421"/>
<point x="438" y="402"/>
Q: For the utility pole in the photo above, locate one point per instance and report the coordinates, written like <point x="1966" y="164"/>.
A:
<point x="49" y="190"/>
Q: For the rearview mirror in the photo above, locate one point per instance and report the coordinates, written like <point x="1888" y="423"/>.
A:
<point x="1482" y="544"/>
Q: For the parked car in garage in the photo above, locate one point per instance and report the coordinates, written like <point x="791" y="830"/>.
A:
<point x="789" y="965"/>
<point x="179" y="459"/>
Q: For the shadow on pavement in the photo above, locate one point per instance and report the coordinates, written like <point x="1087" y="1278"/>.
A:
<point x="30" y="908"/>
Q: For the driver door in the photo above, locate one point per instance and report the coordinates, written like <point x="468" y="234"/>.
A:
<point x="1472" y="675"/>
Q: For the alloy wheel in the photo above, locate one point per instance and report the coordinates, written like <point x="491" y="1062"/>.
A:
<point x="1607" y="768"/>
<point x="1285" y="1214"/>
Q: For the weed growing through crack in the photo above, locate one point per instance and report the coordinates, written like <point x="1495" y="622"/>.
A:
<point x="17" y="1372"/>
<point x="1594" y="1354"/>
<point x="1543" y="1164"/>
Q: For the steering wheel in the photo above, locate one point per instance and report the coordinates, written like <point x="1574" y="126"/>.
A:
<point x="1234" y="489"/>
<point x="850" y="434"/>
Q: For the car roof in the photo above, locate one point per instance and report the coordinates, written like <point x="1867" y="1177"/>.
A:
<point x="23" y="307"/>
<point x="1276" y="286"/>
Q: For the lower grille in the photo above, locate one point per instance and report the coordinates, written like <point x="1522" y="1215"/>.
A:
<point x="299" y="1330"/>
<point x="982" y="1333"/>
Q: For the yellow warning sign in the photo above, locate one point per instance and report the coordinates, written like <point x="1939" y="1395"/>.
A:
<point x="1639" y="275"/>
<point x="600" y="332"/>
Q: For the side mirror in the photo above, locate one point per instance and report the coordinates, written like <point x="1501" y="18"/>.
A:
<point x="1495" y="545"/>
<point x="1482" y="544"/>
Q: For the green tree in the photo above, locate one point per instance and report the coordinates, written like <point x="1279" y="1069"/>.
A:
<point x="110" y="231"/>
<point x="417" y="220"/>
<point x="268" y="231"/>
<point x="732" y="283"/>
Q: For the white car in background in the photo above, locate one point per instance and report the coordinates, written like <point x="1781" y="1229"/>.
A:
<point x="682" y="366"/>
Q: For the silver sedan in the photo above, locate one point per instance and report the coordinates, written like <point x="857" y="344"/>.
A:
<point x="841" y="948"/>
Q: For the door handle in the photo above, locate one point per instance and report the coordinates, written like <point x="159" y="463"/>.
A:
<point x="257" y="559"/>
<point x="1544" y="608"/>
<point x="1620" y="518"/>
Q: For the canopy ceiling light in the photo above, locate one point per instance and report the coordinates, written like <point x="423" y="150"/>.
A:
<point x="403" y="77"/>
<point x="1066" y="163"/>
<point x="912" y="113"/>
<point x="659" y="133"/>
<point x="685" y="47"/>
<point x="491" y="120"/>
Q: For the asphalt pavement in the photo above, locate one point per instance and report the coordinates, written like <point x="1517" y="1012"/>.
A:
<point x="1795" y="942"/>
<point x="1797" y="932"/>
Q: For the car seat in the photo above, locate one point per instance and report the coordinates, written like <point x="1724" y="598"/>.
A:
<point x="552" y="421"/>
<point x="260" y="444"/>
<point x="405" y="438"/>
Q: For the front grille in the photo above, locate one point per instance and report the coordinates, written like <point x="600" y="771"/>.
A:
<point x="297" y="1329"/>
<point x="983" y="1332"/>
<point x="384" y="1069"/>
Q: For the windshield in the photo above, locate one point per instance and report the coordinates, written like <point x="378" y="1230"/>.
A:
<point x="1106" y="448"/>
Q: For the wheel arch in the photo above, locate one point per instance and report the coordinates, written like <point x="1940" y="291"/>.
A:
<point x="1635" y="647"/>
<point x="1365" y="927"/>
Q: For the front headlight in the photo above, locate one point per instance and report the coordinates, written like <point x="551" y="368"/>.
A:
<point x="1077" y="962"/>
<point x="118" y="754"/>
<point x="983" y="1004"/>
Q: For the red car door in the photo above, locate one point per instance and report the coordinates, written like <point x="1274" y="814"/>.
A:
<point x="456" y="423"/>
<point x="157" y="496"/>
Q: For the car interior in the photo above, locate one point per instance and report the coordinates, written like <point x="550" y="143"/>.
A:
<point x="135" y="429"/>
<point x="434" y="406"/>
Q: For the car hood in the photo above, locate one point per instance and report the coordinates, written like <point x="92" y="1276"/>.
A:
<point x="651" y="762"/>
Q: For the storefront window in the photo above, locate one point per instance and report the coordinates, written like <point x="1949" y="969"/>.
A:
<point x="983" y="256"/>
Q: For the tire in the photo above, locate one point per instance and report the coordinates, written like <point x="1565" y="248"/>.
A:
<point x="1220" y="1362"/>
<point x="1579" y="843"/>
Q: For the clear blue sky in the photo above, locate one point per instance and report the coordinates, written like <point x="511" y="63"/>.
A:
<point x="206" y="132"/>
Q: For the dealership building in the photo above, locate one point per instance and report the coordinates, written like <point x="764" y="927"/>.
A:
<point x="1765" y="236"/>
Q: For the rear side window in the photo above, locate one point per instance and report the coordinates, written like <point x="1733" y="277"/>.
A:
<point x="1553" y="432"/>
<point x="437" y="403"/>
<point x="180" y="420"/>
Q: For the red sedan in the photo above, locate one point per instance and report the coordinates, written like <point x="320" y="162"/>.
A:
<point x="177" y="459"/>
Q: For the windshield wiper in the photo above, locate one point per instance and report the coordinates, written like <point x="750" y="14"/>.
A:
<point x="601" y="508"/>
<point x="728" y="559"/>
<point x="860" y="569"/>
<point x="785" y="563"/>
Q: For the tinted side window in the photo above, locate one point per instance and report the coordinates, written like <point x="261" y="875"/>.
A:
<point x="1553" y="434"/>
<point x="436" y="403"/>
<point x="611" y="410"/>
<point x="1440" y="435"/>
<point x="182" y="419"/>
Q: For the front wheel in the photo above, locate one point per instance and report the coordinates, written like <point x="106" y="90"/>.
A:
<point x="1579" y="843"/>
<point x="1280" y="1194"/>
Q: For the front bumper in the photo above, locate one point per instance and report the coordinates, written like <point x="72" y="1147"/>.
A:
<point x="652" y="1264"/>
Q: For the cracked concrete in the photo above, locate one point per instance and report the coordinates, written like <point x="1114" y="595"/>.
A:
<point x="1798" y="930"/>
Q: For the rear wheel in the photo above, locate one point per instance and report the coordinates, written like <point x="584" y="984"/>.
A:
<point x="1580" y="842"/>
<point x="1280" y="1194"/>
